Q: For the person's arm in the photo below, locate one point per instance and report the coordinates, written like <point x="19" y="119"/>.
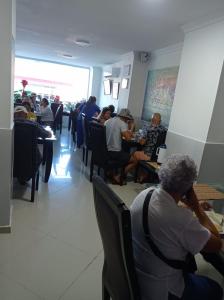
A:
<point x="127" y="135"/>
<point x="214" y="243"/>
<point x="41" y="132"/>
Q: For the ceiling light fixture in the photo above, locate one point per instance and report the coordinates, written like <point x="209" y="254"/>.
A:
<point x="66" y="55"/>
<point x="82" y="43"/>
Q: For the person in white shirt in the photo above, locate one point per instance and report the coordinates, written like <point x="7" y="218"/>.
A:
<point x="46" y="112"/>
<point x="176" y="232"/>
<point x="116" y="130"/>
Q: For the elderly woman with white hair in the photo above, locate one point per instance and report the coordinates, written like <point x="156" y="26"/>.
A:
<point x="165" y="234"/>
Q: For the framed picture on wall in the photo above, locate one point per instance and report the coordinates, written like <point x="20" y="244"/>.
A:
<point x="126" y="70"/>
<point x="124" y="83"/>
<point x="107" y="87"/>
<point x="115" y="92"/>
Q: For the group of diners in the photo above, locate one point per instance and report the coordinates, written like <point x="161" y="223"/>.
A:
<point x="35" y="109"/>
<point x="121" y="127"/>
<point x="24" y="114"/>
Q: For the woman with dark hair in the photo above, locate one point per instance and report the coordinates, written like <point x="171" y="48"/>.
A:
<point x="112" y="109"/>
<point x="46" y="112"/>
<point x="104" y="115"/>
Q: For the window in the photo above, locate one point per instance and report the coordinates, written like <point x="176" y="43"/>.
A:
<point x="51" y="79"/>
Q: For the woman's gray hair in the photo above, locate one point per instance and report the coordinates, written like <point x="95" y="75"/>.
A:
<point x="177" y="174"/>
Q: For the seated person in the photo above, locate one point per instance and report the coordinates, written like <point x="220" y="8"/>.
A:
<point x="46" y="113"/>
<point x="116" y="130"/>
<point x="104" y="115"/>
<point x="112" y="109"/>
<point x="30" y="115"/>
<point x="151" y="135"/>
<point x="176" y="232"/>
<point x="20" y="115"/>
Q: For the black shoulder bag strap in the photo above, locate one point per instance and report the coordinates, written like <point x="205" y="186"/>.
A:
<point x="176" y="264"/>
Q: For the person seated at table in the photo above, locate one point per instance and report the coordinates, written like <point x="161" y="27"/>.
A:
<point x="30" y="115"/>
<point x="131" y="124"/>
<point x="33" y="99"/>
<point x="116" y="130"/>
<point x="176" y="232"/>
<point x="20" y="115"/>
<point x="150" y="138"/>
<point x="90" y="109"/>
<point x="104" y="115"/>
<point x="151" y="134"/>
<point x="46" y="113"/>
<point x="112" y="109"/>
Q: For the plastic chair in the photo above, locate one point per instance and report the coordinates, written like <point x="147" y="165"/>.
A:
<point x="26" y="156"/>
<point x="119" y="279"/>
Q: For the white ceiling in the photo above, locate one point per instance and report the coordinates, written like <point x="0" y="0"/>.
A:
<point x="46" y="28"/>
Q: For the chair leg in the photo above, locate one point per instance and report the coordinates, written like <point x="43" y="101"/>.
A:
<point x="33" y="188"/>
<point x="37" y="180"/>
<point x="87" y="151"/>
<point x="91" y="170"/>
<point x="136" y="172"/>
<point x="83" y="153"/>
<point x="105" y="293"/>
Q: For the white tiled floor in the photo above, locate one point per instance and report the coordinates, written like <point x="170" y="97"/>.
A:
<point x="54" y="251"/>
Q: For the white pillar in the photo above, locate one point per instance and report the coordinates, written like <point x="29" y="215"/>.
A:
<point x="7" y="41"/>
<point x="196" y="123"/>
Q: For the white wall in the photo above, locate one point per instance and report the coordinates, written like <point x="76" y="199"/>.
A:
<point x="7" y="40"/>
<point x="95" y="82"/>
<point x="198" y="79"/>
<point x="166" y="57"/>
<point x="122" y="101"/>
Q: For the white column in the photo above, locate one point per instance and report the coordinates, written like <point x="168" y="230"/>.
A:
<point x="7" y="41"/>
<point x="196" y="123"/>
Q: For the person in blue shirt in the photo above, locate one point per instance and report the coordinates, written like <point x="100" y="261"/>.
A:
<point x="90" y="109"/>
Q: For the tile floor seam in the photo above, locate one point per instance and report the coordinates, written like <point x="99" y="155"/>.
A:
<point x="70" y="244"/>
<point x="79" y="275"/>
<point x="19" y="251"/>
<point x="7" y="276"/>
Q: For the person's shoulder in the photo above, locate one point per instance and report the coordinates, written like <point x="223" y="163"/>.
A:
<point x="139" y="199"/>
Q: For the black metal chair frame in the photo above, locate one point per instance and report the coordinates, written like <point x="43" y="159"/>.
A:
<point x="58" y="119"/>
<point x="17" y="169"/>
<point x="100" y="155"/>
<point x="119" y="279"/>
<point x="86" y="139"/>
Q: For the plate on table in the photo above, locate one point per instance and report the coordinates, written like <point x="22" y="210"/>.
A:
<point x="217" y="220"/>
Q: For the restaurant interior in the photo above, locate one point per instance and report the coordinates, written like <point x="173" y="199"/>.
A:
<point x="99" y="100"/>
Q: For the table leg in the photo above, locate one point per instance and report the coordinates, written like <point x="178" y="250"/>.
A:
<point x="49" y="158"/>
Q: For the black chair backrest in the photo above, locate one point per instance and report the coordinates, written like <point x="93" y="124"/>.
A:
<point x="86" y="131"/>
<point x="160" y="140"/>
<point x="98" y="143"/>
<point x="25" y="150"/>
<point x="114" y="221"/>
<point x="58" y="115"/>
<point x="54" y="107"/>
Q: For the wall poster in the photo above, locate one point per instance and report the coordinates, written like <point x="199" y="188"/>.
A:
<point x="159" y="93"/>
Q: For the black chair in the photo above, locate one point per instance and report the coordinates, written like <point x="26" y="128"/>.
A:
<point x="58" y="118"/>
<point x="160" y="140"/>
<point x="74" y="116"/>
<point x="119" y="279"/>
<point x="26" y="154"/>
<point x="86" y="139"/>
<point x="100" y="155"/>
